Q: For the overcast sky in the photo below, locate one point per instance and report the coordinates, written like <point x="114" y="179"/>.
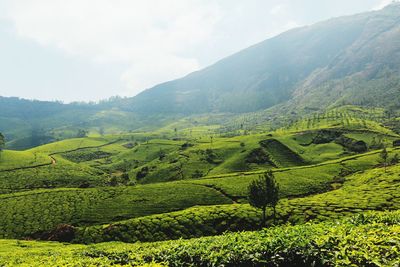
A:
<point x="74" y="50"/>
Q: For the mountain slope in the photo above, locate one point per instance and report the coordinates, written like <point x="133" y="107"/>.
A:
<point x="366" y="72"/>
<point x="295" y="64"/>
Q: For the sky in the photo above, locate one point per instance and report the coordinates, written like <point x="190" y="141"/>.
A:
<point x="88" y="50"/>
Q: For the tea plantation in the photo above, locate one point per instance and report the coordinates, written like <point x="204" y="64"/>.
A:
<point x="187" y="184"/>
<point x="368" y="239"/>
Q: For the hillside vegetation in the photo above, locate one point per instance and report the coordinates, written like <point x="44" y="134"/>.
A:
<point x="162" y="179"/>
<point x="370" y="239"/>
<point x="138" y="187"/>
<point x="172" y="184"/>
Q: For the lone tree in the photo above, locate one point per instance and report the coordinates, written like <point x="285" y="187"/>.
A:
<point x="384" y="156"/>
<point x="2" y="143"/>
<point x="263" y="193"/>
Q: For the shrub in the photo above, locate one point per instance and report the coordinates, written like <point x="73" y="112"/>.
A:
<point x="142" y="173"/>
<point x="258" y="156"/>
<point x="396" y="143"/>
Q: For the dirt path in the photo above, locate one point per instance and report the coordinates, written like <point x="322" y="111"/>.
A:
<point x="53" y="160"/>
<point x="28" y="167"/>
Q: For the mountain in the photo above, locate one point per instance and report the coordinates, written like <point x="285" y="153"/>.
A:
<point x="318" y="64"/>
<point x="347" y="60"/>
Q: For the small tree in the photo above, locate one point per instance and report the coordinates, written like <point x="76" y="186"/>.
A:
<point x="263" y="193"/>
<point x="81" y="133"/>
<point x="384" y="156"/>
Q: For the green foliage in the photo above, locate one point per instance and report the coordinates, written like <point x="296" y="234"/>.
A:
<point x="370" y="239"/>
<point x="62" y="173"/>
<point x="259" y="156"/>
<point x="395" y="160"/>
<point x="372" y="190"/>
<point x="319" y="156"/>
<point x="85" y="155"/>
<point x="352" y="145"/>
<point x="192" y="222"/>
<point x="281" y="154"/>
<point x="24" y="214"/>
<point x="318" y="181"/>
<point x="263" y="193"/>
<point x="14" y="160"/>
<point x="81" y="133"/>
<point x="384" y="157"/>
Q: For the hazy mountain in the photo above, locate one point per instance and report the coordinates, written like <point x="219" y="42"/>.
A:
<point x="318" y="64"/>
<point x="347" y="60"/>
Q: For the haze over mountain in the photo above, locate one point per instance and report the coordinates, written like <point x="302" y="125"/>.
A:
<point x="296" y="65"/>
<point x="353" y="59"/>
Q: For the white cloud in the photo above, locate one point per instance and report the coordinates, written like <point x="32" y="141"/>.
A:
<point x="147" y="36"/>
<point x="278" y="9"/>
<point x="382" y="4"/>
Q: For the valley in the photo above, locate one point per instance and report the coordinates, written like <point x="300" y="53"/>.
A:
<point x="286" y="153"/>
<point x="174" y="184"/>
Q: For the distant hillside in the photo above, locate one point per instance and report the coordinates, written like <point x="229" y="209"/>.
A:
<point x="29" y="123"/>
